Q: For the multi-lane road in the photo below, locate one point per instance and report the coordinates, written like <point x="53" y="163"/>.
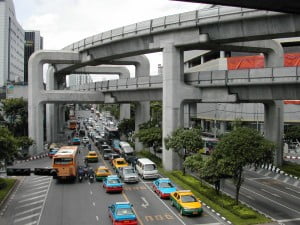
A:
<point x="42" y="200"/>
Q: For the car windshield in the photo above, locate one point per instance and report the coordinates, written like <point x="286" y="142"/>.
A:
<point x="107" y="151"/>
<point x="124" y="211"/>
<point x="113" y="181"/>
<point x="121" y="162"/>
<point x="166" y="185"/>
<point x="92" y="154"/>
<point x="63" y="161"/>
<point x="188" y="198"/>
<point x="126" y="171"/>
<point x="149" y="167"/>
<point x="102" y="171"/>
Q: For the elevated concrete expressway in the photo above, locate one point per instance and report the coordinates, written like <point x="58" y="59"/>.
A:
<point x="205" y="29"/>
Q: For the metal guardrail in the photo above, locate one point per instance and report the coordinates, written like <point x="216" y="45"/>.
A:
<point x="172" y="22"/>
<point x="263" y="76"/>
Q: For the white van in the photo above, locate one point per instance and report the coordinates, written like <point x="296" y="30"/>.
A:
<point x="125" y="148"/>
<point x="146" y="168"/>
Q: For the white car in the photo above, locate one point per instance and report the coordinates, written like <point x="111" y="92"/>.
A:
<point x="85" y="140"/>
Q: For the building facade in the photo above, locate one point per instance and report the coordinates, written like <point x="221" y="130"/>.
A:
<point x="33" y="42"/>
<point x="78" y="79"/>
<point x="11" y="45"/>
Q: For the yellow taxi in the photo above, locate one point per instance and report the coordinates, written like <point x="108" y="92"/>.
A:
<point x="92" y="156"/>
<point x="118" y="163"/>
<point x="102" y="172"/>
<point x="186" y="202"/>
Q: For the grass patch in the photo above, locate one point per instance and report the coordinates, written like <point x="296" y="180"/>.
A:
<point x="225" y="205"/>
<point x="291" y="168"/>
<point x="9" y="183"/>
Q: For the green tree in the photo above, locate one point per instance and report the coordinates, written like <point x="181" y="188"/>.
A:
<point x="8" y="145"/>
<point x="185" y="142"/>
<point x="241" y="147"/>
<point x="15" y="111"/>
<point x="126" y="126"/>
<point x="292" y="134"/>
<point x="150" y="136"/>
<point x="156" y="111"/>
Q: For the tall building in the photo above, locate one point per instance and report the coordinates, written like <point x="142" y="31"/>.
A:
<point x="78" y="79"/>
<point x="33" y="42"/>
<point x="11" y="45"/>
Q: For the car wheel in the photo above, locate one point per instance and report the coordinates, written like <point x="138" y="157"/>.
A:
<point x="181" y="212"/>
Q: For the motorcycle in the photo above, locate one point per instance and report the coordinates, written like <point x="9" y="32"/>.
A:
<point x="91" y="178"/>
<point x="80" y="178"/>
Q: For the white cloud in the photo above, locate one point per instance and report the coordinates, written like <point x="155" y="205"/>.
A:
<point x="63" y="22"/>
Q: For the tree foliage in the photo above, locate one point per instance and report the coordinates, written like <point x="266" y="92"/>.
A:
<point x="241" y="147"/>
<point x="150" y="135"/>
<point x="126" y="126"/>
<point x="156" y="111"/>
<point x="185" y="142"/>
<point x="292" y="133"/>
<point x="8" y="144"/>
<point x="15" y="111"/>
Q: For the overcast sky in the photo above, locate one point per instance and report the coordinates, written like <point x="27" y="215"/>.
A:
<point x="62" y="22"/>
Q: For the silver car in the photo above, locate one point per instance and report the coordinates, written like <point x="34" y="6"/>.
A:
<point x="128" y="174"/>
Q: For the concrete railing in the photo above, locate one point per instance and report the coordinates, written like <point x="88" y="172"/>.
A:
<point x="167" y="23"/>
<point x="263" y="76"/>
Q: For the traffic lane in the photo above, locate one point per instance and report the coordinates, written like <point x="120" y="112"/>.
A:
<point x="289" y="203"/>
<point x="69" y="203"/>
<point x="153" y="210"/>
<point x="260" y="201"/>
<point x="276" y="185"/>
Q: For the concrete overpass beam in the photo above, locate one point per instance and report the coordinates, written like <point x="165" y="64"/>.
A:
<point x="35" y="90"/>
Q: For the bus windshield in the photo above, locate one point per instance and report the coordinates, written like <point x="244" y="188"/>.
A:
<point x="63" y="161"/>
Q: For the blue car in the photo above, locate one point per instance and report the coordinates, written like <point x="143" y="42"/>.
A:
<point x="122" y="213"/>
<point x="112" y="183"/>
<point x="76" y="141"/>
<point x="163" y="187"/>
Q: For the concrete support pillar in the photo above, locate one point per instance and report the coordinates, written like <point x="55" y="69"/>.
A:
<point x="273" y="117"/>
<point x="222" y="127"/>
<point x="274" y="128"/>
<point x="142" y="115"/>
<point x="61" y="117"/>
<point x="124" y="111"/>
<point x="172" y="101"/>
<point x="192" y="113"/>
<point x="50" y="81"/>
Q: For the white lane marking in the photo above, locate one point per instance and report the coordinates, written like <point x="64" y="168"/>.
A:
<point x="286" y="179"/>
<point x="26" y="217"/>
<point x="27" y="211"/>
<point x="277" y="176"/>
<point x="45" y="186"/>
<point x="296" y="183"/>
<point x="145" y="204"/>
<point x="291" y="189"/>
<point x="91" y="192"/>
<point x="33" y="193"/>
<point x="31" y="223"/>
<point x="29" y="199"/>
<point x="97" y="218"/>
<point x="180" y="220"/>
<point x="94" y="204"/>
<point x="288" y="220"/>
<point x="296" y="211"/>
<point x="208" y="224"/>
<point x="247" y="196"/>
<point x="42" y="183"/>
<point x="40" y="180"/>
<point x="275" y="189"/>
<point x="29" y="204"/>
<point x="44" y="202"/>
<point x="270" y="193"/>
